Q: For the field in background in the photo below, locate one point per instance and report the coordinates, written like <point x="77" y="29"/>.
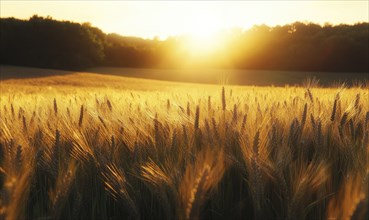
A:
<point x="198" y="75"/>
<point x="90" y="146"/>
<point x="235" y="76"/>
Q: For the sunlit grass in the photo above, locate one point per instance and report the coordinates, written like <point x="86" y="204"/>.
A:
<point x="150" y="149"/>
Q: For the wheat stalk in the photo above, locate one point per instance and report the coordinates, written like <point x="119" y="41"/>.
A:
<point x="80" y="121"/>
<point x="24" y="123"/>
<point x="235" y="112"/>
<point x="224" y="104"/>
<point x="256" y="175"/>
<point x="188" y="109"/>
<point x="19" y="157"/>
<point x="333" y="115"/>
<point x="168" y="104"/>
<point x="196" y="195"/>
<point x="310" y="95"/>
<point x="109" y="105"/>
<point x="357" y="101"/>
<point x="12" y="110"/>
<point x="209" y="103"/>
<point x="303" y="117"/>
<point x="55" y="107"/>
<point x="197" y="116"/>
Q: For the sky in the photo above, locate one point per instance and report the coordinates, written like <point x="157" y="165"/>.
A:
<point x="148" y="19"/>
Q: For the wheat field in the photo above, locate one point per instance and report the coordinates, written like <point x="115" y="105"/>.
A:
<point x="153" y="150"/>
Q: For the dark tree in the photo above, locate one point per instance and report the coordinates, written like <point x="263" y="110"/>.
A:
<point x="44" y="42"/>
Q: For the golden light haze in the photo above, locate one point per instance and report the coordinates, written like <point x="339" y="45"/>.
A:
<point x="201" y="19"/>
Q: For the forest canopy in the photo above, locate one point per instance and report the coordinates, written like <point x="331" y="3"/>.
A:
<point x="300" y="46"/>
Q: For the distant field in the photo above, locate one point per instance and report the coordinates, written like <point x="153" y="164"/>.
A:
<point x="209" y="76"/>
<point x="97" y="146"/>
<point x="16" y="79"/>
<point x="235" y="76"/>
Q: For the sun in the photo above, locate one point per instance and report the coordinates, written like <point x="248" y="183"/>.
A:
<point x="203" y="34"/>
<point x="203" y="45"/>
<point x="202" y="26"/>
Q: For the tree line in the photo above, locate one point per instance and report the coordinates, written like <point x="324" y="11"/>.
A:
<point x="45" y="42"/>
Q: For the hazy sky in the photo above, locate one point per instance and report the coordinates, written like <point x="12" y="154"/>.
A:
<point x="149" y="18"/>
